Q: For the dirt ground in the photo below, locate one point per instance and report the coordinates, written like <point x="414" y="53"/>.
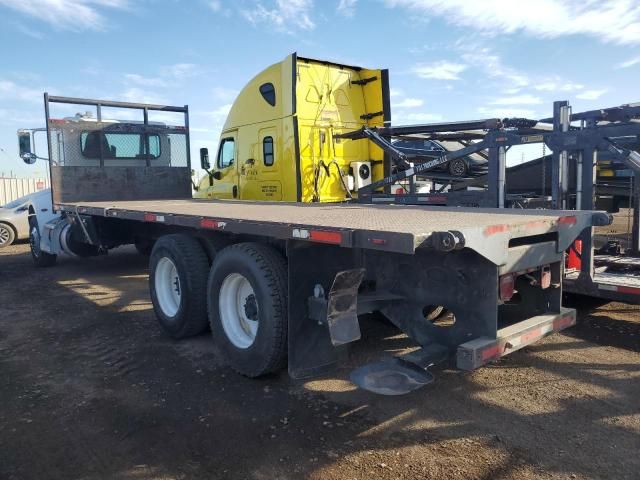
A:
<point x="91" y="389"/>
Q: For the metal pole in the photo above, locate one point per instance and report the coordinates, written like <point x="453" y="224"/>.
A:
<point x="589" y="160"/>
<point x="579" y="176"/>
<point x="146" y="137"/>
<point x="101" y="134"/>
<point x="502" y="173"/>
<point x="494" y="177"/>
<point x="188" y="137"/>
<point x="561" y="115"/>
<point x="46" y="118"/>
<point x="635" y="240"/>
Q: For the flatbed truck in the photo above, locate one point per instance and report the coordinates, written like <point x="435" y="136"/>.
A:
<point x="283" y="283"/>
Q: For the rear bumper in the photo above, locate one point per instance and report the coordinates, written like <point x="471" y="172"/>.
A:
<point x="479" y="352"/>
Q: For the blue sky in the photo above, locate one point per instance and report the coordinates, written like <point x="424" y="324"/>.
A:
<point x="448" y="59"/>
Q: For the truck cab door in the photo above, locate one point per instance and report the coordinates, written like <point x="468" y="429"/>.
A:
<point x="259" y="173"/>
<point x="226" y="166"/>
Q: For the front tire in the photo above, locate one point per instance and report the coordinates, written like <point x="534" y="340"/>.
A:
<point x="40" y="258"/>
<point x="458" y="168"/>
<point x="248" y="300"/>
<point x="178" y="270"/>
<point x="7" y="235"/>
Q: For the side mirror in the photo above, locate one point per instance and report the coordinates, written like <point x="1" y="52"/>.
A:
<point x="24" y="146"/>
<point x="204" y="158"/>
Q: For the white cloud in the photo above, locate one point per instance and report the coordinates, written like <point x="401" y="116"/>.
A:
<point x="12" y="91"/>
<point x="491" y="64"/>
<point x="423" y="117"/>
<point x="408" y="103"/>
<point x="167" y="78"/>
<point x="139" y="95"/>
<point x="75" y="15"/>
<point x="518" y="100"/>
<point x="30" y="32"/>
<point x="504" y="112"/>
<point x="347" y="7"/>
<point x="629" y="63"/>
<point x="396" y="92"/>
<point x="215" y="5"/>
<point x="557" y="85"/>
<point x="286" y="16"/>
<point x="591" y="94"/>
<point x="145" y="81"/>
<point x="224" y="94"/>
<point x="179" y="71"/>
<point x="441" y="70"/>
<point x="616" y="21"/>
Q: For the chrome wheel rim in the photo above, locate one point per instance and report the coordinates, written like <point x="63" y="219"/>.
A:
<point x="5" y="235"/>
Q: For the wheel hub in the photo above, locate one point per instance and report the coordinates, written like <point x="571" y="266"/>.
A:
<point x="167" y="287"/>
<point x="239" y="310"/>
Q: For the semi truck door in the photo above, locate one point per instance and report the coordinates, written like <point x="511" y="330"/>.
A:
<point x="259" y="173"/>
<point x="226" y="186"/>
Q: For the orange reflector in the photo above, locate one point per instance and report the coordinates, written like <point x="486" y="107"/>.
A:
<point x="149" y="217"/>
<point x="324" y="236"/>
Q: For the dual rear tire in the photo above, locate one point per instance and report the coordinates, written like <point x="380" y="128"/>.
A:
<point x="242" y="298"/>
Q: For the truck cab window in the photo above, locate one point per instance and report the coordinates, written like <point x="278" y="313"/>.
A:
<point x="227" y="153"/>
<point x="268" y="92"/>
<point x="267" y="151"/>
<point x="118" y="145"/>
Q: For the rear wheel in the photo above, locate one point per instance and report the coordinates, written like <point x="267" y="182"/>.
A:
<point x="40" y="258"/>
<point x="7" y="235"/>
<point x="247" y="295"/>
<point x="178" y="285"/>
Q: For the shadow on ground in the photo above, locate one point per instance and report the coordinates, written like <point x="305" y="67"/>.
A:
<point x="90" y="389"/>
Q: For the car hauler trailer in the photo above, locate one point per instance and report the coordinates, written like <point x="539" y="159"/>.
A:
<point x="576" y="139"/>
<point x="283" y="283"/>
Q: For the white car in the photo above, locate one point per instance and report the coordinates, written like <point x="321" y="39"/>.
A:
<point x="14" y="217"/>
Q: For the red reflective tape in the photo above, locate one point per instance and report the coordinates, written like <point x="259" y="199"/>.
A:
<point x="631" y="290"/>
<point x="493" y="229"/>
<point x="208" y="223"/>
<point x="567" y="220"/>
<point x="324" y="236"/>
<point x="563" y="322"/>
<point x="490" y="352"/>
<point x="531" y="336"/>
<point x="149" y="217"/>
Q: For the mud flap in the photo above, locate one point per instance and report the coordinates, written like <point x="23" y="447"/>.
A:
<point x="310" y="349"/>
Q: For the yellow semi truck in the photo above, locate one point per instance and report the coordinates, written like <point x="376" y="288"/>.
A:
<point x="278" y="140"/>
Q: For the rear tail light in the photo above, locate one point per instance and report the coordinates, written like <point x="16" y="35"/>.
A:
<point x="507" y="286"/>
